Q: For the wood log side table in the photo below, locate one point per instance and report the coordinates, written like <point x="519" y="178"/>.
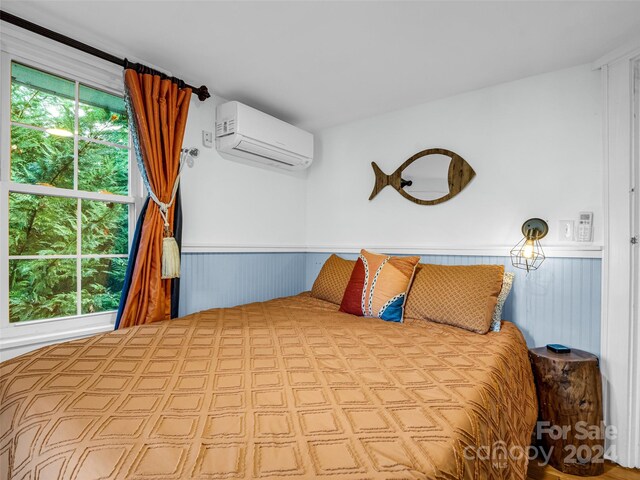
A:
<point x="569" y="391"/>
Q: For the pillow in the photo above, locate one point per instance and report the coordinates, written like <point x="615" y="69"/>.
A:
<point x="378" y="286"/>
<point x="333" y="279"/>
<point x="462" y="296"/>
<point x="507" y="283"/>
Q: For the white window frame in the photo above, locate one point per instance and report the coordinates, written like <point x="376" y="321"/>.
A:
<point x="32" y="50"/>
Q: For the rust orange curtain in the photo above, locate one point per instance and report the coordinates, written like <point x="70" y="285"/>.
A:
<point x="158" y="109"/>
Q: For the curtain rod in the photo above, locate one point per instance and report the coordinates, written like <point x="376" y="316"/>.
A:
<point x="202" y="92"/>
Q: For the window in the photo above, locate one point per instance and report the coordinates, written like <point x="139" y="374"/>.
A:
<point x="70" y="205"/>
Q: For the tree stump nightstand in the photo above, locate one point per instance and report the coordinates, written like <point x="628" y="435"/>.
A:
<point x="570" y="410"/>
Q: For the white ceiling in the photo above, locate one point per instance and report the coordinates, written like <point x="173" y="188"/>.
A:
<point x="318" y="64"/>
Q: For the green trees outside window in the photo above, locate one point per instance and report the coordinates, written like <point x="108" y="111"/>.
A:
<point x="68" y="243"/>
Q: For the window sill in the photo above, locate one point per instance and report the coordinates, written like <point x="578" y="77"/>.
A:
<point x="17" y="339"/>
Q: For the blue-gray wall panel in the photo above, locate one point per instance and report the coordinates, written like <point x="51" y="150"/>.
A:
<point x="559" y="303"/>
<point x="211" y="280"/>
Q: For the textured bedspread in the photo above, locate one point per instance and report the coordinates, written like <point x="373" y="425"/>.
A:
<point x="289" y="388"/>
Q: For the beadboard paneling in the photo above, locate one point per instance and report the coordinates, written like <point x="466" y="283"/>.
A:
<point x="559" y="303"/>
<point x="211" y="280"/>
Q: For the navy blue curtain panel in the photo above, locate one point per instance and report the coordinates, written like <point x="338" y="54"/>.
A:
<point x="177" y="234"/>
<point x="133" y="253"/>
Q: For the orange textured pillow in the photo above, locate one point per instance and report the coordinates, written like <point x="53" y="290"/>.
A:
<point x="463" y="296"/>
<point x="333" y="279"/>
<point x="378" y="286"/>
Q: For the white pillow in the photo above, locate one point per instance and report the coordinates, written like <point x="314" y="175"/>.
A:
<point x="507" y="283"/>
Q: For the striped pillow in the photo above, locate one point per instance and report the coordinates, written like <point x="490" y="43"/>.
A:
<point x="378" y="286"/>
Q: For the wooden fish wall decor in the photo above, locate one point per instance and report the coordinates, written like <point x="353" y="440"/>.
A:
<point x="459" y="175"/>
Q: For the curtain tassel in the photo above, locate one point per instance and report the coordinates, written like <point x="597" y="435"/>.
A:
<point x="170" y="258"/>
<point x="170" y="255"/>
<point x="170" y="250"/>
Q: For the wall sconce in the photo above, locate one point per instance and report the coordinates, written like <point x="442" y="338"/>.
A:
<point x="528" y="254"/>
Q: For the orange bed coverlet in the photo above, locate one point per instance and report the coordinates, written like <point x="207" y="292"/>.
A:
<point x="289" y="388"/>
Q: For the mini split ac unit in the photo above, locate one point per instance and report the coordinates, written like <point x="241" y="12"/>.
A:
<point x="246" y="135"/>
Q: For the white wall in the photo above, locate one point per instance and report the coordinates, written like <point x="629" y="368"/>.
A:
<point x="228" y="204"/>
<point x="535" y="145"/>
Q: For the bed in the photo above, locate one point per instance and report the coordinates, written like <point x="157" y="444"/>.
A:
<point x="289" y="388"/>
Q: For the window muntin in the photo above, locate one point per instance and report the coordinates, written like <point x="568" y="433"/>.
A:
<point x="68" y="241"/>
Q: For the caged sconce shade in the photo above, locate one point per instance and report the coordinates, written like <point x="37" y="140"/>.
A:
<point x="528" y="254"/>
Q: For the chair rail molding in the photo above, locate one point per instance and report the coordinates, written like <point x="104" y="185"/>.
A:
<point x="566" y="250"/>
<point x="620" y="336"/>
